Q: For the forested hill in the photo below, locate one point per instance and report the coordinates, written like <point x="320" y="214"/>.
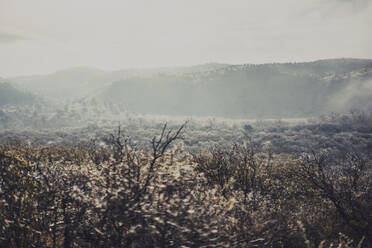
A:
<point x="85" y="81"/>
<point x="268" y="90"/>
<point x="238" y="91"/>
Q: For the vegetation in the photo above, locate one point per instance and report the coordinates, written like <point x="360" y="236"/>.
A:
<point x="70" y="178"/>
<point x="114" y="191"/>
<point x="230" y="91"/>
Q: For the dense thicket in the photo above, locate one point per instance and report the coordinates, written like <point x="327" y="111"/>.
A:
<point x="118" y="193"/>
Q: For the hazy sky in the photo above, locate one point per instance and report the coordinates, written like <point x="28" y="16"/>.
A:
<point x="41" y="36"/>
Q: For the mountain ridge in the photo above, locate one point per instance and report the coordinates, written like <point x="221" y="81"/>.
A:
<point x="208" y="64"/>
<point x="244" y="90"/>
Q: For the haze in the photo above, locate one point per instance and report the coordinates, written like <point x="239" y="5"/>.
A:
<point x="42" y="36"/>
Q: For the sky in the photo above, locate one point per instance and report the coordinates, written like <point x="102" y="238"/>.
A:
<point x="42" y="36"/>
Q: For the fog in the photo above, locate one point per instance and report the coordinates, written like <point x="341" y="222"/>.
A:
<point x="185" y="123"/>
<point x="357" y="95"/>
<point x="42" y="36"/>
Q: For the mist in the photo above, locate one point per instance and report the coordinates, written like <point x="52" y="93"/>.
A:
<point x="41" y="36"/>
<point x="185" y="123"/>
<point x="357" y="95"/>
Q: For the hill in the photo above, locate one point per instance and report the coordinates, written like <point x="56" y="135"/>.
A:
<point x="11" y="95"/>
<point x="235" y="91"/>
<point x="84" y="81"/>
<point x="269" y="90"/>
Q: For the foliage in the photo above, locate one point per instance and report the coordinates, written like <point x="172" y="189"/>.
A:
<point x="121" y="194"/>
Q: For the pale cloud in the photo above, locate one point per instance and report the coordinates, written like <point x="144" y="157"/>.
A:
<point x="9" y="37"/>
<point x="115" y="34"/>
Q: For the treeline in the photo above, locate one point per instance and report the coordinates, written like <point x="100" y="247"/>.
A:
<point x="119" y="194"/>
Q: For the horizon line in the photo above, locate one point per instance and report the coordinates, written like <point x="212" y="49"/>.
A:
<point x="177" y="66"/>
